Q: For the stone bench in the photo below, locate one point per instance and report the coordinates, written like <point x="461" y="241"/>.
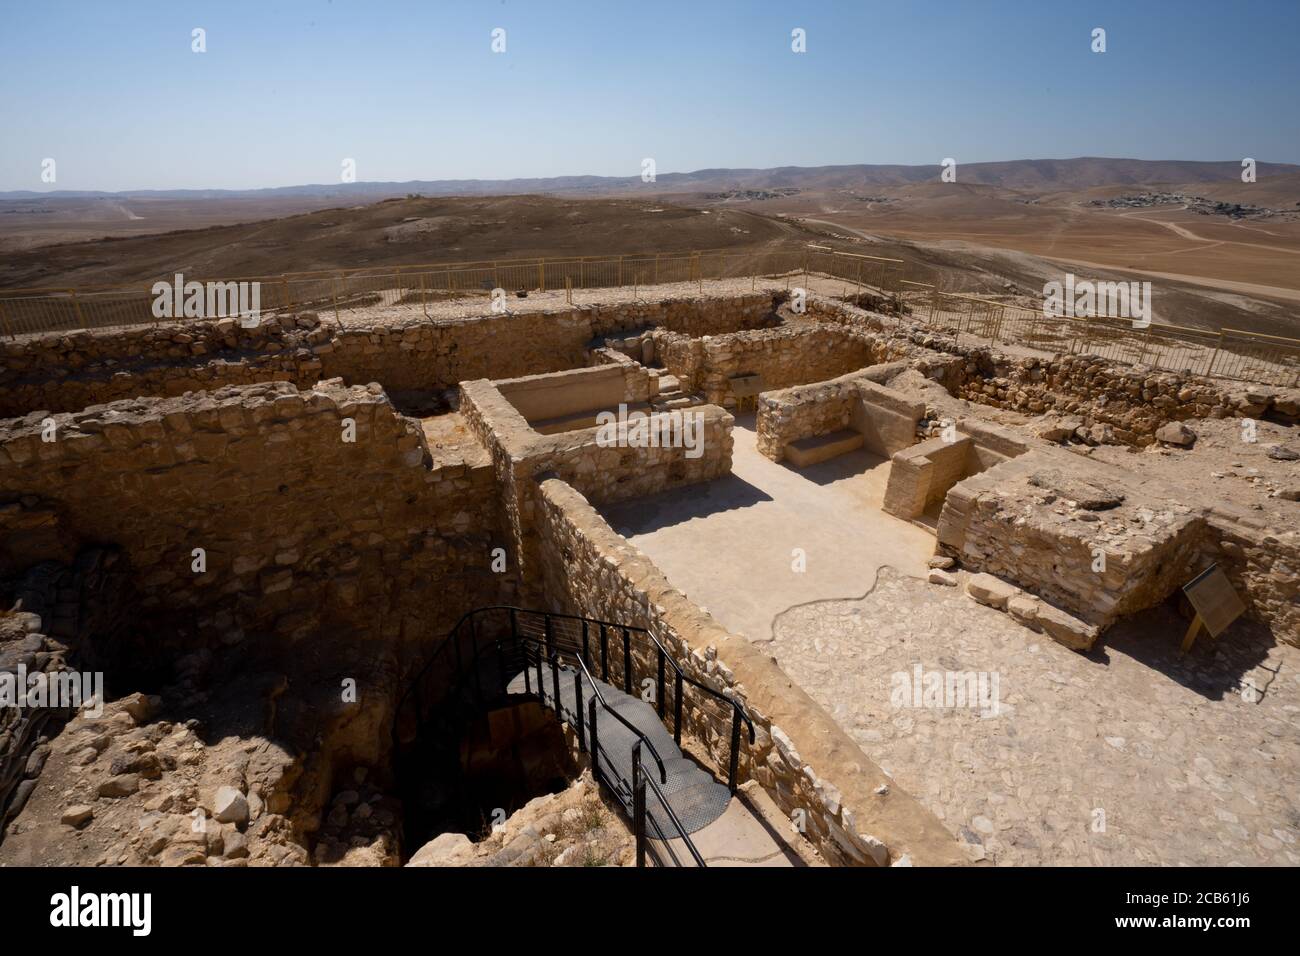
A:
<point x="819" y="448"/>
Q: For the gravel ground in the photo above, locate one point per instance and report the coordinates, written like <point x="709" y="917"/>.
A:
<point x="1187" y="764"/>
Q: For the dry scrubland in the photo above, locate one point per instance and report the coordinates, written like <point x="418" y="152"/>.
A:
<point x="1003" y="228"/>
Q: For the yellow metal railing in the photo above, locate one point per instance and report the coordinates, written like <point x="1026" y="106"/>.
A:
<point x="1228" y="353"/>
<point x="34" y="311"/>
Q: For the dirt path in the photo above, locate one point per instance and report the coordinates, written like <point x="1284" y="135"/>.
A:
<point x="1227" y="285"/>
<point x="1188" y="234"/>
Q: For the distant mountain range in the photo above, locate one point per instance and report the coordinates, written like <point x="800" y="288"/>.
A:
<point x="1027" y="174"/>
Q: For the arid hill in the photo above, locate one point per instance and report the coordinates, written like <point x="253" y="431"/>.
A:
<point x="399" y="231"/>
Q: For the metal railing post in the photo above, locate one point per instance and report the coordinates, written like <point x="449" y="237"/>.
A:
<point x="478" y="671"/>
<point x="1209" y="367"/>
<point x="577" y="709"/>
<point x="638" y="805"/>
<point x="627" y="661"/>
<point x="660" y="688"/>
<point x="735" y="750"/>
<point x="76" y="307"/>
<point x="604" y="653"/>
<point x="555" y="683"/>
<point x="595" y="739"/>
<point x="677" y="710"/>
<point x="586" y="644"/>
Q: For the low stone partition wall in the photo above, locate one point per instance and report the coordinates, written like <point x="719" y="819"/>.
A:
<point x="887" y="419"/>
<point x="921" y="476"/>
<point x="606" y="463"/>
<point x="792" y="355"/>
<point x="268" y="514"/>
<point x="850" y="810"/>
<point x="560" y="394"/>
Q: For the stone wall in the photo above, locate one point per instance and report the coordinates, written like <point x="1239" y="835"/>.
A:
<point x="922" y="475"/>
<point x="601" y="387"/>
<point x="603" y="471"/>
<point x="57" y="610"/>
<point x="1134" y="400"/>
<point x="302" y="532"/>
<point x="67" y="372"/>
<point x="791" y="355"/>
<point x="852" y="812"/>
<point x="887" y="419"/>
<point x="1264" y="568"/>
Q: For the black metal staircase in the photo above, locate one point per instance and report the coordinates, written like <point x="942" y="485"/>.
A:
<point x="498" y="654"/>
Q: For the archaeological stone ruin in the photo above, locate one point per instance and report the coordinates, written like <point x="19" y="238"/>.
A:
<point x="469" y="588"/>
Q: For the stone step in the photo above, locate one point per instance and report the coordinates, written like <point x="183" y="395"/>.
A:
<point x="819" y="448"/>
<point x="668" y="383"/>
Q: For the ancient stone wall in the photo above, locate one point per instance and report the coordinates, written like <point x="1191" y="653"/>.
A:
<point x="603" y="469"/>
<point x="302" y="532"/>
<point x="1264" y="568"/>
<point x="67" y="372"/>
<point x="921" y="476"/>
<point x="1134" y="400"/>
<point x="791" y="355"/>
<point x="852" y="812"/>
<point x="886" y="418"/>
<point x="57" y="610"/>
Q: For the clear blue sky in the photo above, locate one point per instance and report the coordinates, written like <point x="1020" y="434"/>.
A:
<point x="411" y="90"/>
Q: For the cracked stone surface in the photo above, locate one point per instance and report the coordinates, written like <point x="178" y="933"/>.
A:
<point x="1187" y="764"/>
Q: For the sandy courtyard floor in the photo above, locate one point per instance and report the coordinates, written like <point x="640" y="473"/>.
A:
<point x="734" y="545"/>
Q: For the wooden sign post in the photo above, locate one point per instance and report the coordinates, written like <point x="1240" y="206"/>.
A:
<point x="1217" y="604"/>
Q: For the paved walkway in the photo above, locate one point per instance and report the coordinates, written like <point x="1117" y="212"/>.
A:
<point x="1131" y="755"/>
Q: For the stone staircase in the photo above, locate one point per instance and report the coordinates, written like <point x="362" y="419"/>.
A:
<point x="671" y="395"/>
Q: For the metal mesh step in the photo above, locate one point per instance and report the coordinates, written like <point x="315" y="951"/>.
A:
<point x="692" y="793"/>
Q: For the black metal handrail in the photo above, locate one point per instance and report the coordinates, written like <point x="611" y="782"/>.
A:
<point x="552" y="644"/>
<point x="603" y="628"/>
<point x="639" y="815"/>
<point x="597" y="697"/>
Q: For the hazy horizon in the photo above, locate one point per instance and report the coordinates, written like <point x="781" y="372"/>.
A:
<point x="415" y="93"/>
<point x="662" y="174"/>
